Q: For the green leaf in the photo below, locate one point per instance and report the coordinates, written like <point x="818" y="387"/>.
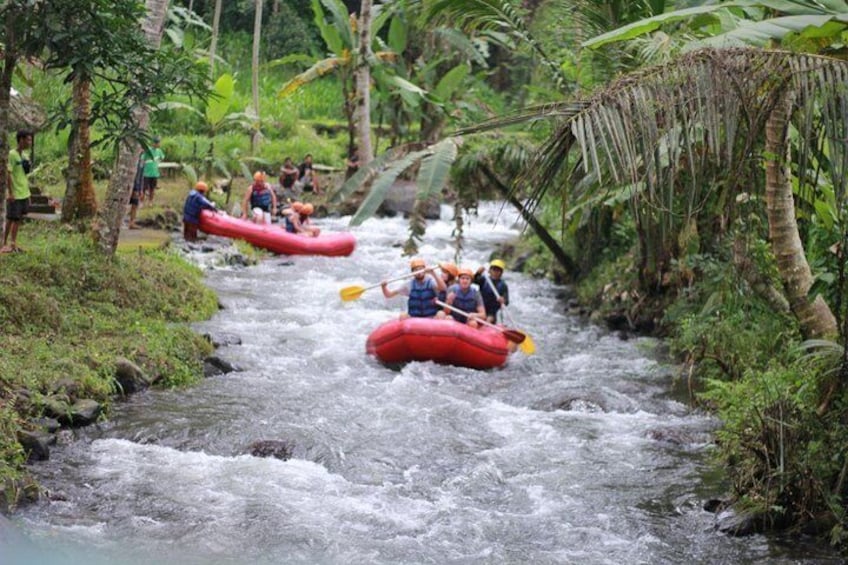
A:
<point x="435" y="169"/>
<point x="450" y="82"/>
<point x="359" y="178"/>
<point x="222" y="96"/>
<point x="650" y="24"/>
<point x="405" y="85"/>
<point x="381" y="187"/>
<point x="397" y="34"/>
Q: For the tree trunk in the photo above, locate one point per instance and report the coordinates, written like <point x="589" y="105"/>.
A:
<point x="80" y="200"/>
<point x="108" y="227"/>
<point x="363" y="86"/>
<point x="257" y="35"/>
<point x="814" y="316"/>
<point x="556" y="250"/>
<point x="10" y="61"/>
<point x="213" y="45"/>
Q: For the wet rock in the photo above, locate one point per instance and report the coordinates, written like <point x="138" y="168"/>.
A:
<point x="400" y="200"/>
<point x="129" y="377"/>
<point x="214" y="366"/>
<point x="82" y="413"/>
<point x="220" y="339"/>
<point x="279" y="449"/>
<point x="49" y="425"/>
<point x="730" y="522"/>
<point x="36" y="444"/>
<point x="57" y="406"/>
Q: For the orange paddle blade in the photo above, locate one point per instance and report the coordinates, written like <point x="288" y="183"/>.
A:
<point x="514" y="336"/>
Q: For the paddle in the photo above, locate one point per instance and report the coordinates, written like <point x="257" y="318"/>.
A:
<point x="527" y="346"/>
<point x="349" y="293"/>
<point x="514" y="336"/>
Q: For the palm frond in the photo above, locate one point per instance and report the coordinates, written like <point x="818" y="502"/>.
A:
<point x="381" y="186"/>
<point x="314" y="72"/>
<point x="435" y="168"/>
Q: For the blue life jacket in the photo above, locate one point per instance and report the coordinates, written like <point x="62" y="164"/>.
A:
<point x="421" y="302"/>
<point x="260" y="197"/>
<point x="195" y="202"/>
<point x="465" y="301"/>
<point x="490" y="301"/>
<point x="289" y="225"/>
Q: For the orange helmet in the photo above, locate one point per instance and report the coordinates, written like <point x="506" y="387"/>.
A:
<point x="201" y="186"/>
<point x="417" y="263"/>
<point x="307" y="209"/>
<point x="464" y="273"/>
<point x="297" y="206"/>
<point x="450" y="269"/>
<point x="258" y="176"/>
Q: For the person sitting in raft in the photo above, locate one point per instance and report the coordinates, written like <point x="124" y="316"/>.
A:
<point x="259" y="198"/>
<point x="466" y="297"/>
<point x="303" y="225"/>
<point x="491" y="301"/>
<point x="449" y="273"/>
<point x="195" y="202"/>
<point x="292" y="216"/>
<point x="421" y="291"/>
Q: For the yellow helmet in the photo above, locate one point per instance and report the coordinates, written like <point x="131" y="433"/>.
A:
<point x="498" y="264"/>
<point x="201" y="186"/>
<point x="258" y="176"/>
<point x="417" y="263"/>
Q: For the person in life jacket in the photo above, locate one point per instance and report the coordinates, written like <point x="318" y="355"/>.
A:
<point x="421" y="291"/>
<point x="466" y="297"/>
<point x="195" y="202"/>
<point x="492" y="301"/>
<point x="302" y="224"/>
<point x="292" y="216"/>
<point x="260" y="199"/>
<point x="449" y="273"/>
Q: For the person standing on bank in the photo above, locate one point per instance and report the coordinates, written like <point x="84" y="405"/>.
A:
<point x="260" y="199"/>
<point x="195" y="203"/>
<point x="152" y="156"/>
<point x="17" y="198"/>
<point x="421" y="291"/>
<point x="491" y="300"/>
<point x="137" y="193"/>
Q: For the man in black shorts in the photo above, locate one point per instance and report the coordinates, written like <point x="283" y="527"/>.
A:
<point x="307" y="178"/>
<point x="17" y="200"/>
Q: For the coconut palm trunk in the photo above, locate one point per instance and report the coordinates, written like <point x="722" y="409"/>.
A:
<point x="108" y="226"/>
<point x="814" y="316"/>
<point x="363" y="85"/>
<point x="213" y="45"/>
<point x="10" y="61"/>
<point x="257" y="36"/>
<point x="80" y="201"/>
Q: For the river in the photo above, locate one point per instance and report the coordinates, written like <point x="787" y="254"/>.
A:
<point x="557" y="458"/>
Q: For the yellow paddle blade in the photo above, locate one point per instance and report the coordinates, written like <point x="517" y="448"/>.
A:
<point x="349" y="293"/>
<point x="527" y="346"/>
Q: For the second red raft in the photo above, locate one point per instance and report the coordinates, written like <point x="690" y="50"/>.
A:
<point x="441" y="341"/>
<point x="277" y="239"/>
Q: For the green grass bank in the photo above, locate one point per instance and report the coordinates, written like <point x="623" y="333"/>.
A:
<point x="67" y="313"/>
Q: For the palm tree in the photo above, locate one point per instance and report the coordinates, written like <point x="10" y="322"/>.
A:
<point x="108" y="226"/>
<point x="651" y="129"/>
<point x="254" y="75"/>
<point x="213" y="45"/>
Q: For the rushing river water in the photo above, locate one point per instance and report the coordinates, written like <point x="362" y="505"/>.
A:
<point x="556" y="458"/>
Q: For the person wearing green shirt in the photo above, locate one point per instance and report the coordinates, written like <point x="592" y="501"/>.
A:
<point x="152" y="156"/>
<point x="17" y="199"/>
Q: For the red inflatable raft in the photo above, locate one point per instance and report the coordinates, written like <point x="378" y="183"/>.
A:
<point x="442" y="341"/>
<point x="275" y="238"/>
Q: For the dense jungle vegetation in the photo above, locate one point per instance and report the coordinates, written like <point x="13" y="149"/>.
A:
<point x="682" y="163"/>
